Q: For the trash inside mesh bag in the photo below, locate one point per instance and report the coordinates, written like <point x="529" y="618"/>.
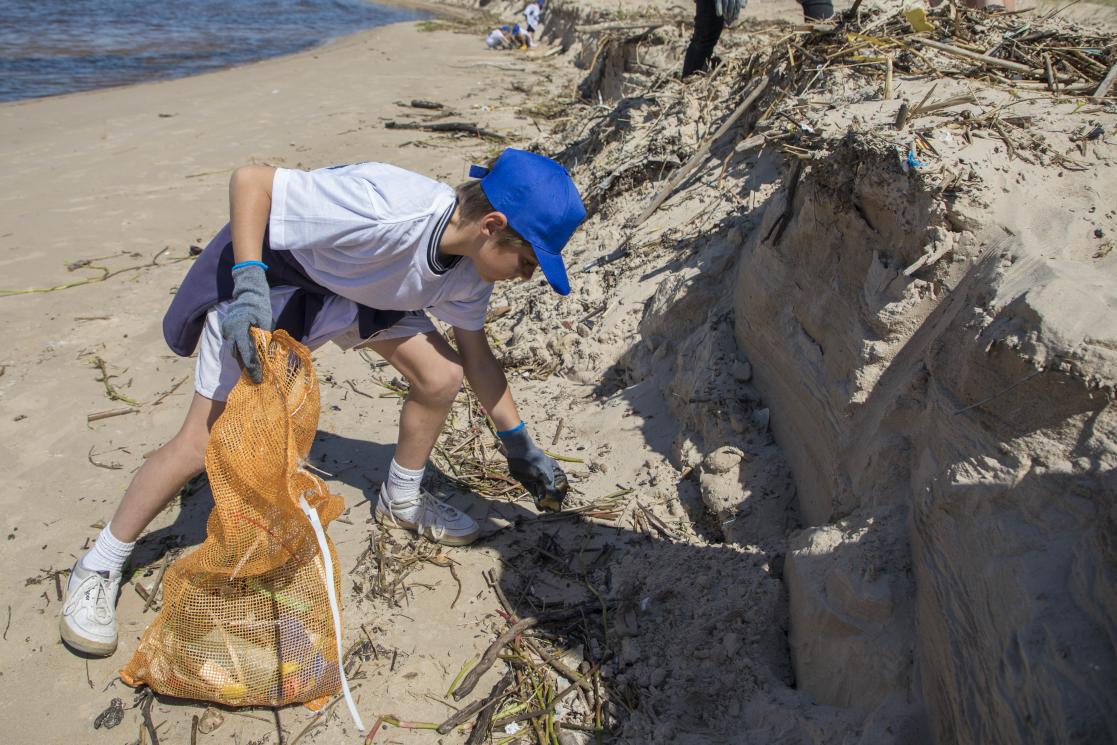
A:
<point x="252" y="616"/>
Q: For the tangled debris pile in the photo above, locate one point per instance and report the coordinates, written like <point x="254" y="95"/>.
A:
<point x="786" y="250"/>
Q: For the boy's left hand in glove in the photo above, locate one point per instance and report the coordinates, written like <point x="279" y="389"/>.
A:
<point x="539" y="473"/>
<point x="251" y="306"/>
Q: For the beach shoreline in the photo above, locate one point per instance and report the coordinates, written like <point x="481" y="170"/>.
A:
<point x="434" y="10"/>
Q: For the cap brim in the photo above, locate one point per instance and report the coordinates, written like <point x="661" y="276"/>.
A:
<point x="554" y="270"/>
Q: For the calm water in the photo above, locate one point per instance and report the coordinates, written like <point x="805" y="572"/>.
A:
<point x="49" y="47"/>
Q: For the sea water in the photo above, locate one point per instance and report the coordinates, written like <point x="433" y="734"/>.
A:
<point x="48" y="47"/>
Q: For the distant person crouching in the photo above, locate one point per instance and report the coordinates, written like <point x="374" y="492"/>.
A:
<point x="521" y="39"/>
<point x="500" y="38"/>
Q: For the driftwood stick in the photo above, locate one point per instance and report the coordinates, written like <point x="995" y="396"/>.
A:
<point x="484" y="722"/>
<point x="145" y="709"/>
<point x="995" y="61"/>
<point x="113" y="412"/>
<point x="158" y="581"/>
<point x="466" y="127"/>
<point x="901" y="116"/>
<point x="464" y="715"/>
<point x="1106" y="83"/>
<point x="945" y="104"/>
<point x="469" y="682"/>
<point x="700" y="156"/>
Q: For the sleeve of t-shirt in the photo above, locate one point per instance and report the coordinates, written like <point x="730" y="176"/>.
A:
<point x="465" y="314"/>
<point x="327" y="208"/>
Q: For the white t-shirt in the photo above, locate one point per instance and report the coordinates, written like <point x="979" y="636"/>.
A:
<point x="531" y="12"/>
<point x="370" y="233"/>
<point x="496" y="38"/>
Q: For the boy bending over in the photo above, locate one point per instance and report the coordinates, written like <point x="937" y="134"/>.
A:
<point x="356" y="255"/>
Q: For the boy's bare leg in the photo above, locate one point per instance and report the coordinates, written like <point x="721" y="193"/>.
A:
<point x="434" y="371"/>
<point x="166" y="471"/>
<point x="88" y="618"/>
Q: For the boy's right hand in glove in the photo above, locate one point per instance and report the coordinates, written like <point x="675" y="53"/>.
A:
<point x="539" y="473"/>
<point x="251" y="306"/>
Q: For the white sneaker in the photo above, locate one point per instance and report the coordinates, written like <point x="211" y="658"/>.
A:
<point x="429" y="517"/>
<point x="88" y="621"/>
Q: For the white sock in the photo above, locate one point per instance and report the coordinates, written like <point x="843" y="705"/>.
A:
<point x="108" y="554"/>
<point x="402" y="484"/>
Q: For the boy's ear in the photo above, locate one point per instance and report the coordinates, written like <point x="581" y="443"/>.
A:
<point x="493" y="223"/>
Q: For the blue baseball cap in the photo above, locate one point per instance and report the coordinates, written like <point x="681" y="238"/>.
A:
<point x="541" y="203"/>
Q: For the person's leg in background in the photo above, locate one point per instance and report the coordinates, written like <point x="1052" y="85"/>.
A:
<point x="817" y="10"/>
<point x="708" y="26"/>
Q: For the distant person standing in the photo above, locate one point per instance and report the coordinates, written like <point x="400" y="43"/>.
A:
<point x="711" y="16"/>
<point x="531" y="17"/>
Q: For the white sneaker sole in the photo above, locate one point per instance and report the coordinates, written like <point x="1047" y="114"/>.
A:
<point x="447" y="540"/>
<point x="88" y="646"/>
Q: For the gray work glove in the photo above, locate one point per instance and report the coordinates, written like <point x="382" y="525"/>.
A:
<point x="729" y="9"/>
<point x="251" y="306"/>
<point x="538" y="472"/>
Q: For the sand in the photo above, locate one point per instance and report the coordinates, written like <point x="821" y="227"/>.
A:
<point x="796" y="560"/>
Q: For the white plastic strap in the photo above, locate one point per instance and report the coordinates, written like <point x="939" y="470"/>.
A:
<point x="328" y="563"/>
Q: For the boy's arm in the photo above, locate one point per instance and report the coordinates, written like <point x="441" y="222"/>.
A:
<point x="486" y="377"/>
<point x="527" y="462"/>
<point x="249" y="208"/>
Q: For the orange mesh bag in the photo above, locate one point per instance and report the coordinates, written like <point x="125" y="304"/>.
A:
<point x="252" y="617"/>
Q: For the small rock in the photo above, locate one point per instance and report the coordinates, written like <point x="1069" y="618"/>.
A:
<point x="630" y="651"/>
<point x="1099" y="233"/>
<point x="723" y="460"/>
<point x="574" y="737"/>
<point x="574" y="657"/>
<point x="583" y="330"/>
<point x="742" y="371"/>
<point x="211" y="720"/>
<point x="731" y="644"/>
<point x="655" y="680"/>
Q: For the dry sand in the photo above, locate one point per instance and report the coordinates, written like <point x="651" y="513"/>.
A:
<point x="689" y="370"/>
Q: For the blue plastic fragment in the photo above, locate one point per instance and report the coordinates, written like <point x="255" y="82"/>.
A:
<point x="913" y="162"/>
